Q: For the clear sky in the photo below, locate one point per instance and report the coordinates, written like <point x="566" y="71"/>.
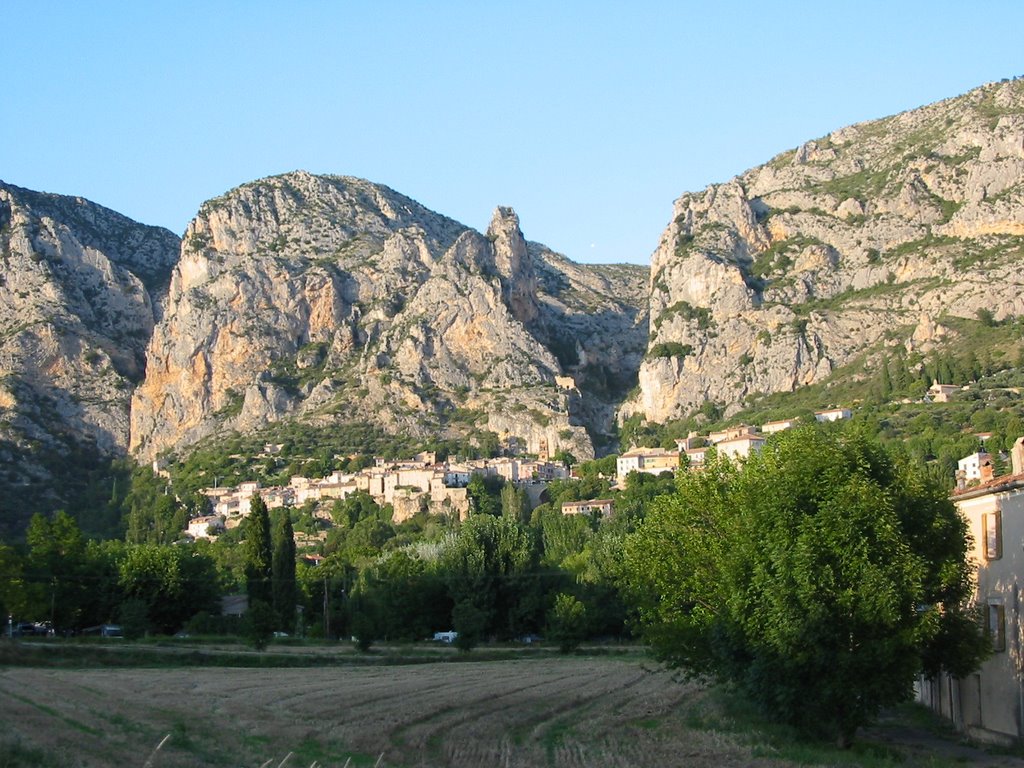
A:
<point x="588" y="118"/>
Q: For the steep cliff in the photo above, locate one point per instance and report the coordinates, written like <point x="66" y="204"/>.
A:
<point x="864" y="238"/>
<point x="331" y="299"/>
<point x="80" y="289"/>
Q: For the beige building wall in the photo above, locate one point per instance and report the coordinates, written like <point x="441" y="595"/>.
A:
<point x="991" y="698"/>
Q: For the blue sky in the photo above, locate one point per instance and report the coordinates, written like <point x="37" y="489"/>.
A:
<point x="588" y="118"/>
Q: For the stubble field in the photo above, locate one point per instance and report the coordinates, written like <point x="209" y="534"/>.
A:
<point x="540" y="711"/>
<point x="535" y="712"/>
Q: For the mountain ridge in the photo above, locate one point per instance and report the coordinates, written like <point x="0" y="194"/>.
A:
<point x="331" y="300"/>
<point x="863" y="238"/>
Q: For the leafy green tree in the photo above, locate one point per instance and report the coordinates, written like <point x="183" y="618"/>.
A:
<point x="567" y="622"/>
<point x="258" y="627"/>
<point x="173" y="583"/>
<point x="820" y="578"/>
<point x="258" y="554"/>
<point x="605" y="466"/>
<point x="285" y="592"/>
<point x="515" y="504"/>
<point x="359" y="506"/>
<point x="366" y="539"/>
<point x="55" y="568"/>
<point x="411" y="597"/>
<point x="133" y="615"/>
<point x="13" y="593"/>
<point x="562" y="536"/>
<point x="470" y="621"/>
<point x="485" y="565"/>
<point x="484" y="494"/>
<point x="153" y="515"/>
<point x="564" y="458"/>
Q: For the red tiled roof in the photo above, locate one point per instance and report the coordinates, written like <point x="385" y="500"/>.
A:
<point x="1004" y="482"/>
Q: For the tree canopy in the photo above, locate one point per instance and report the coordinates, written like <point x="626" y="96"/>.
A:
<point x="820" y="577"/>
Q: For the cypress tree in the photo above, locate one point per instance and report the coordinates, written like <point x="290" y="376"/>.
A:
<point x="886" y="383"/>
<point x="283" y="571"/>
<point x="258" y="556"/>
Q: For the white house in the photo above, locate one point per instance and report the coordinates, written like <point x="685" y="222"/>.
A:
<point x="202" y="527"/>
<point x="833" y="414"/>
<point x="771" y="427"/>
<point x="973" y="465"/>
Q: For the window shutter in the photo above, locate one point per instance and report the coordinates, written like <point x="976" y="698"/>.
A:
<point x="995" y="624"/>
<point x="992" y="535"/>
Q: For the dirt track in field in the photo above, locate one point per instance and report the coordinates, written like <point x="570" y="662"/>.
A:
<point x="565" y="712"/>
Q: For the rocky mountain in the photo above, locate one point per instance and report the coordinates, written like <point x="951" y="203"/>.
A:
<point x="331" y="299"/>
<point x="817" y="262"/>
<point x="80" y="291"/>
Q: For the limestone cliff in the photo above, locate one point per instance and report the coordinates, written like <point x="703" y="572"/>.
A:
<point x="862" y="238"/>
<point x="332" y="299"/>
<point x="80" y="289"/>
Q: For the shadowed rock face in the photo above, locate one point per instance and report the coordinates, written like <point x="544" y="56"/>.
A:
<point x="80" y="290"/>
<point x="867" y="236"/>
<point x="333" y="299"/>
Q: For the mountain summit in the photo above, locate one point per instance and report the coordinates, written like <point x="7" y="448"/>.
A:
<point x="331" y="299"/>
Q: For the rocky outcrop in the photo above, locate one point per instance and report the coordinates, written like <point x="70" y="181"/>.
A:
<point x="331" y="299"/>
<point x="796" y="268"/>
<point x="80" y="290"/>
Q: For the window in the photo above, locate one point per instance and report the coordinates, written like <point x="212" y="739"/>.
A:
<point x="995" y="625"/>
<point x="992" y="535"/>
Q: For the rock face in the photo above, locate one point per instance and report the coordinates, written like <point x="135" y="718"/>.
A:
<point x="332" y="299"/>
<point x="777" y="278"/>
<point x="80" y="290"/>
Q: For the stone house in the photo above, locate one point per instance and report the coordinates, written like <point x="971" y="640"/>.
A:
<point x="940" y="393"/>
<point x="740" y="447"/>
<point x="653" y="461"/>
<point x="596" y="507"/>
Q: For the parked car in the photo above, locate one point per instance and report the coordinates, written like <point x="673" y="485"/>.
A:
<point x="445" y="637"/>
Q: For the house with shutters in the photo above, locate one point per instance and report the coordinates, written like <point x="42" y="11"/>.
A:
<point x="989" y="705"/>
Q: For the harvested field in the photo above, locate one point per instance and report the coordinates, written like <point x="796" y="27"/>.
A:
<point x="550" y="711"/>
<point x="538" y="712"/>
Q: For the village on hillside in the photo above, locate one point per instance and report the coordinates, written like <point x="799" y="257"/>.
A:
<point x="418" y="484"/>
<point x="424" y="484"/>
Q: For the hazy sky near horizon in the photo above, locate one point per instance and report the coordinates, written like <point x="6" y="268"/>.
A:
<point x="588" y="118"/>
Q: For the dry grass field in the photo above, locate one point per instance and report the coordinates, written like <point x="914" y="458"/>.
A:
<point x="567" y="712"/>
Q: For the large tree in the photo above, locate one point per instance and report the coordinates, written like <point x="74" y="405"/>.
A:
<point x="258" y="554"/>
<point x="283" y="568"/>
<point x="171" y="584"/>
<point x="820" y="577"/>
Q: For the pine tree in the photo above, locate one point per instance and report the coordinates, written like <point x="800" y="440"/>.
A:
<point x="258" y="558"/>
<point x="283" y="572"/>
